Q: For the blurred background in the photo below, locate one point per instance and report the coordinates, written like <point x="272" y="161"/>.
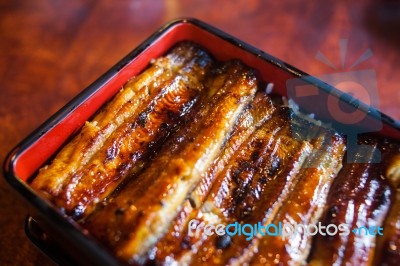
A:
<point x="50" y="50"/>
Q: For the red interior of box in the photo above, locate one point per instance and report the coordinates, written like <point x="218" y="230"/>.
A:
<point x="44" y="147"/>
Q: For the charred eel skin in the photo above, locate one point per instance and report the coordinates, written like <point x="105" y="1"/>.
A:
<point x="120" y="140"/>
<point x="144" y="221"/>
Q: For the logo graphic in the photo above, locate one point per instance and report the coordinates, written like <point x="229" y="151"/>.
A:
<point x="348" y="109"/>
<point x="284" y="230"/>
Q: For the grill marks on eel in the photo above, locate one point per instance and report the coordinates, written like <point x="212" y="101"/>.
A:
<point x="145" y="219"/>
<point x="268" y="189"/>
<point x="255" y="115"/>
<point x="304" y="204"/>
<point x="228" y="200"/>
<point x="120" y="139"/>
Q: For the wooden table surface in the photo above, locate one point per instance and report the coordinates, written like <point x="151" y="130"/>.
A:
<point x="51" y="50"/>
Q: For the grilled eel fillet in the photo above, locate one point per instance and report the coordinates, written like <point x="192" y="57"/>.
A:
<point x="304" y="204"/>
<point x="120" y="139"/>
<point x="255" y="114"/>
<point x="359" y="197"/>
<point x="256" y="199"/>
<point x="133" y="225"/>
<point x="228" y="200"/>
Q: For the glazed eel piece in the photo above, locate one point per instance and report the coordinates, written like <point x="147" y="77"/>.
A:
<point x="265" y="154"/>
<point x="270" y="187"/>
<point x="360" y="197"/>
<point x="304" y="204"/>
<point x="132" y="98"/>
<point x="122" y="137"/>
<point x="217" y="83"/>
<point x="255" y="115"/>
<point x="133" y="225"/>
<point x="388" y="246"/>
